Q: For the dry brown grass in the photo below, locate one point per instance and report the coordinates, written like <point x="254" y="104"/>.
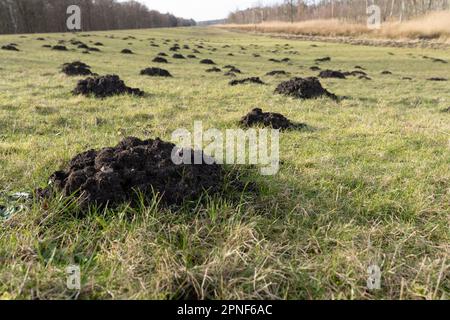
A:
<point x="312" y="27"/>
<point x="435" y="26"/>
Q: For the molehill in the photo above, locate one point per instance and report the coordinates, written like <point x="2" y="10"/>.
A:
<point x="303" y="88"/>
<point x="116" y="175"/>
<point x="104" y="86"/>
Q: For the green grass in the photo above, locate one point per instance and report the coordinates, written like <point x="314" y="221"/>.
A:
<point x="370" y="183"/>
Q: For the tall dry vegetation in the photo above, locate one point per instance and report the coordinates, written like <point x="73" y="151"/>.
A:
<point x="400" y="18"/>
<point x="332" y="27"/>
<point x="435" y="25"/>
<point x="431" y="26"/>
<point x="347" y="10"/>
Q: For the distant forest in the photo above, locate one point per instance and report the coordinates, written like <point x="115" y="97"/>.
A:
<point x="348" y="10"/>
<point x="40" y="16"/>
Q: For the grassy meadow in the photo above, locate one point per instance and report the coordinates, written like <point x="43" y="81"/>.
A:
<point x="367" y="183"/>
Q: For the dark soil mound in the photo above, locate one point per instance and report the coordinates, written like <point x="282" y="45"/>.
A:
<point x="315" y="68"/>
<point x="74" y="42"/>
<point x="94" y="49"/>
<point x="255" y="80"/>
<point x="439" y="60"/>
<point x="446" y="110"/>
<point x="162" y="54"/>
<point x="156" y="72"/>
<point x="285" y="60"/>
<point x="207" y="61"/>
<point x="437" y="79"/>
<point x="83" y="46"/>
<point x="235" y="70"/>
<point x="46" y="46"/>
<point x="174" y="48"/>
<point x="192" y="56"/>
<point x="303" y="88"/>
<point x="364" y="78"/>
<point x="229" y="74"/>
<point x="98" y="44"/>
<point x="268" y="119"/>
<point x="274" y="60"/>
<point x="178" y="56"/>
<point x="215" y="69"/>
<point x="112" y="176"/>
<point x="76" y="68"/>
<point x="232" y="69"/>
<point x="386" y="72"/>
<point x="325" y="59"/>
<point x="160" y="60"/>
<point x="435" y="59"/>
<point x="127" y="51"/>
<point x="10" y="47"/>
<point x="104" y="86"/>
<point x="331" y="74"/>
<point x="355" y="73"/>
<point x="277" y="73"/>
<point x="59" y="48"/>
<point x="407" y="78"/>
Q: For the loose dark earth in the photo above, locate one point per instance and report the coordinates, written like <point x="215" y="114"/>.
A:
<point x="156" y="72"/>
<point x="59" y="48"/>
<point x="268" y="119"/>
<point x="277" y="73"/>
<point x="255" y="80"/>
<point x="207" y="61"/>
<point x="104" y="86"/>
<point x="115" y="175"/>
<point x="160" y="60"/>
<point x="76" y="68"/>
<point x="303" y="88"/>
<point x="10" y="47"/>
<point x="331" y="74"/>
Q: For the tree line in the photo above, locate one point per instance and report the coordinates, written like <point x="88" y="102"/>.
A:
<point x="349" y="10"/>
<point x="41" y="16"/>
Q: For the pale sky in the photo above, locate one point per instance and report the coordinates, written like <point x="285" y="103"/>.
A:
<point x="201" y="10"/>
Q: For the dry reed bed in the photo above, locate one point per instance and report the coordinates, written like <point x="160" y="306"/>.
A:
<point x="434" y="26"/>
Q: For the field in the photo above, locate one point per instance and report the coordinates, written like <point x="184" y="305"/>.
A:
<point x="368" y="182"/>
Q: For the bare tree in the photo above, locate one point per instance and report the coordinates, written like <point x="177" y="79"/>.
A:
<point x="352" y="10"/>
